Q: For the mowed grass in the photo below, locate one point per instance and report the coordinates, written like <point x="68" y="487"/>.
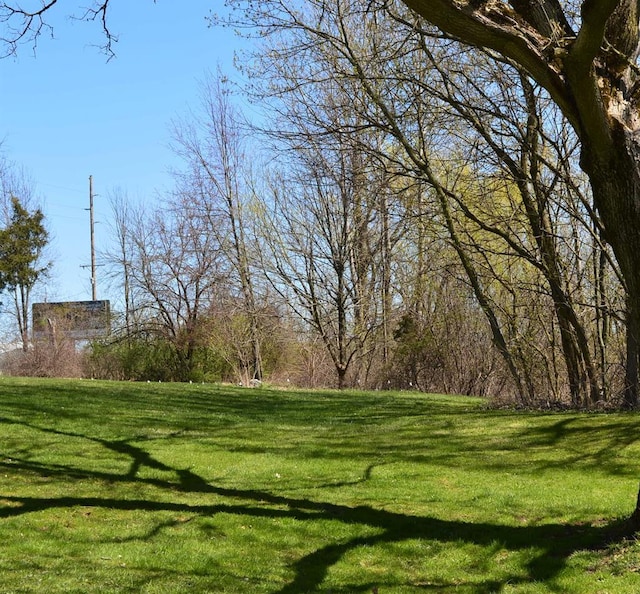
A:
<point x="120" y="487"/>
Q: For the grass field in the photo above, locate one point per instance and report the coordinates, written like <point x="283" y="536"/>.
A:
<point x="119" y="487"/>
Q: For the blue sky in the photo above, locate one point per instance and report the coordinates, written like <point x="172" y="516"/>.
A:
<point x="67" y="113"/>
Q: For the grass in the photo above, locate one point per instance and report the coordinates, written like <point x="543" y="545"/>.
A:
<point x="155" y="488"/>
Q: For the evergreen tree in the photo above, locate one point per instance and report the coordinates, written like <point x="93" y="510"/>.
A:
<point x="21" y="244"/>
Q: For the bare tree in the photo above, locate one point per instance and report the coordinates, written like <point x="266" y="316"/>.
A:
<point x="119" y="257"/>
<point x="176" y="267"/>
<point x="313" y="230"/>
<point x="212" y="145"/>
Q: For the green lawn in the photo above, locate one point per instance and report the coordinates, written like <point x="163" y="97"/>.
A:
<point x="120" y="487"/>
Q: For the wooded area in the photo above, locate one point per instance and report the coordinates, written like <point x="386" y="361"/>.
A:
<point x="442" y="202"/>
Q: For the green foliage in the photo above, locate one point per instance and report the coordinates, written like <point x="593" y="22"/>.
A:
<point x="21" y="244"/>
<point x="120" y="487"/>
<point x="413" y="351"/>
<point x="217" y="348"/>
<point x="153" y="359"/>
<point x="444" y="347"/>
<point x="226" y="342"/>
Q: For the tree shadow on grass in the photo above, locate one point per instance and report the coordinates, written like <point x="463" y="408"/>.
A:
<point x="554" y="543"/>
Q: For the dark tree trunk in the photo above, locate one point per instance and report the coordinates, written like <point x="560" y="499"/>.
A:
<point x="630" y="393"/>
<point x="634" y="520"/>
<point x="616" y="191"/>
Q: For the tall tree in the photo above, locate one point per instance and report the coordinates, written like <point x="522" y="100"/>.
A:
<point x="21" y="244"/>
<point x="333" y="229"/>
<point x="587" y="62"/>
<point x="446" y="120"/>
<point x="213" y="147"/>
<point x="119" y="257"/>
<point x="175" y="266"/>
<point x="313" y="253"/>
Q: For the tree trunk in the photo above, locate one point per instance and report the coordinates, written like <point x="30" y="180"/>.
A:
<point x="630" y="392"/>
<point x="591" y="76"/>
<point x="602" y="318"/>
<point x="615" y="184"/>
<point x="634" y="520"/>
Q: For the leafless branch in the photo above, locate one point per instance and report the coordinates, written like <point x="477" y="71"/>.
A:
<point x="22" y="26"/>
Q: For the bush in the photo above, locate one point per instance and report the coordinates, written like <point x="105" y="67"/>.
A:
<point x="153" y="359"/>
<point x="45" y="359"/>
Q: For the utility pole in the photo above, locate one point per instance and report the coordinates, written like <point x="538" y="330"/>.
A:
<point x="94" y="289"/>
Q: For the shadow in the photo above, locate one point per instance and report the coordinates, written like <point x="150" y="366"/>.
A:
<point x="556" y="542"/>
<point x="590" y="443"/>
<point x="553" y="543"/>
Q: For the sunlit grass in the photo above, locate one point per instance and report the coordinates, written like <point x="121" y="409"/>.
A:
<point x="120" y="487"/>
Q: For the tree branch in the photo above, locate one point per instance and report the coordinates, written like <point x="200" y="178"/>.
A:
<point x="100" y="12"/>
<point x="22" y="26"/>
<point x="546" y="16"/>
<point x="595" y="14"/>
<point x="498" y="27"/>
<point x="580" y="71"/>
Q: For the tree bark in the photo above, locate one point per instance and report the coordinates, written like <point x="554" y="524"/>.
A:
<point x="616" y="189"/>
<point x="634" y="519"/>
